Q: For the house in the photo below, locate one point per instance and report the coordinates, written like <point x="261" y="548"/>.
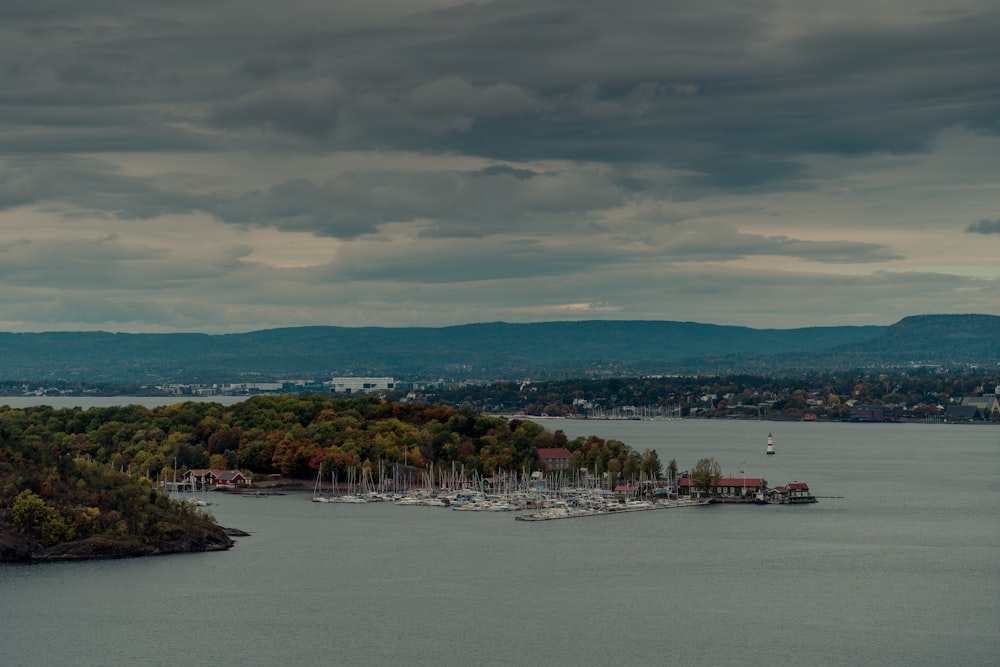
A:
<point x="554" y="458"/>
<point x="796" y="493"/>
<point x="201" y="477"/>
<point x="204" y="478"/>
<point x="231" y="478"/>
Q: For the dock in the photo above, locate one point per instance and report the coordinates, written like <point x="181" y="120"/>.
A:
<point x="555" y="513"/>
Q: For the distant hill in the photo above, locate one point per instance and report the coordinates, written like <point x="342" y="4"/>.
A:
<point x="546" y="350"/>
<point x="949" y="341"/>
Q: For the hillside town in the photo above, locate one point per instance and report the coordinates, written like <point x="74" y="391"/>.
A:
<point x="862" y="398"/>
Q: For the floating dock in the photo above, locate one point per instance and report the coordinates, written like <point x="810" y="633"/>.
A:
<point x="553" y="513"/>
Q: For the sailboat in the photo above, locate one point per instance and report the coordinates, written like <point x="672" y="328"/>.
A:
<point x="318" y="496"/>
<point x="194" y="499"/>
<point x="770" y="444"/>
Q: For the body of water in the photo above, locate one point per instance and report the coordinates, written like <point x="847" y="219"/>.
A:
<point x="904" y="569"/>
<point x="86" y="402"/>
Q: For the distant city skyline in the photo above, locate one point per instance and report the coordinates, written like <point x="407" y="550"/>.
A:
<point x="228" y="166"/>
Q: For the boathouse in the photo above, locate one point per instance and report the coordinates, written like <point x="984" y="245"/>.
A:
<point x="231" y="478"/>
<point x="727" y="486"/>
<point x="204" y="478"/>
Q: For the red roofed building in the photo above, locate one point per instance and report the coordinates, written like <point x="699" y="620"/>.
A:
<point x="554" y="458"/>
<point x="204" y="478"/>
<point x="231" y="478"/>
<point x="798" y="492"/>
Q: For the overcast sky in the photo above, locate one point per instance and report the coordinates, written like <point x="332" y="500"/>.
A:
<point x="233" y="165"/>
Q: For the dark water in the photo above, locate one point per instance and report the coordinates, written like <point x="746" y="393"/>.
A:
<point x="87" y="402"/>
<point x="903" y="570"/>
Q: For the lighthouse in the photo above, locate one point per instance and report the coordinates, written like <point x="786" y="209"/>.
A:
<point x="770" y="444"/>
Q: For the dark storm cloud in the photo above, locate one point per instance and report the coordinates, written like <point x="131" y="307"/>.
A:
<point x="109" y="262"/>
<point x="714" y="88"/>
<point x="340" y="155"/>
<point x="984" y="227"/>
<point x="477" y="203"/>
<point x="722" y="246"/>
<point x="708" y="89"/>
<point x="525" y="259"/>
<point x="89" y="184"/>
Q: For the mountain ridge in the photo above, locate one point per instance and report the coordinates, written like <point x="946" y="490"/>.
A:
<point x="495" y="350"/>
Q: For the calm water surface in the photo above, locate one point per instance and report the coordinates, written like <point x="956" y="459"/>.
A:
<point x="904" y="569"/>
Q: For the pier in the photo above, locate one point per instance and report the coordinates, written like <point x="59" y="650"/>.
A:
<point x="554" y="513"/>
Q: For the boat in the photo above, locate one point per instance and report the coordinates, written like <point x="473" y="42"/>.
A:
<point x="318" y="496"/>
<point x="770" y="444"/>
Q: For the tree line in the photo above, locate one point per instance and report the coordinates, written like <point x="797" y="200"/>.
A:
<point x="296" y="436"/>
<point x="923" y="392"/>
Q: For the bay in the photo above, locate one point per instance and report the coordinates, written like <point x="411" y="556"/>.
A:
<point x="898" y="564"/>
<point x="86" y="402"/>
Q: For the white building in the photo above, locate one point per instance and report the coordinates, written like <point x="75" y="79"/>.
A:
<point x="359" y="385"/>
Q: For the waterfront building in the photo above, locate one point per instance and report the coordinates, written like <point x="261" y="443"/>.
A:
<point x="726" y="486"/>
<point x="987" y="404"/>
<point x="361" y="385"/>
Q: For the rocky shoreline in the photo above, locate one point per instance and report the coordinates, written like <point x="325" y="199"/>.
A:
<point x="15" y="548"/>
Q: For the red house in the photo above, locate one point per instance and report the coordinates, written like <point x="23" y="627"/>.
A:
<point x="205" y="478"/>
<point x="231" y="478"/>
<point x="554" y="458"/>
<point x="202" y="477"/>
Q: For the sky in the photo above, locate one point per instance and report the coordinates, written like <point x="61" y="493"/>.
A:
<point x="225" y="166"/>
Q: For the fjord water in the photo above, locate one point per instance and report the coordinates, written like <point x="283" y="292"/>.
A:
<point x="904" y="569"/>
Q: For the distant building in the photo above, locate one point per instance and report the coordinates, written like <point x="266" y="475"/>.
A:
<point x="360" y="385"/>
<point x="727" y="486"/>
<point x="876" y="413"/>
<point x="962" y="412"/>
<point x="987" y="404"/>
<point x="250" y="387"/>
<point x="204" y="478"/>
<point x="231" y="478"/>
<point x="554" y="458"/>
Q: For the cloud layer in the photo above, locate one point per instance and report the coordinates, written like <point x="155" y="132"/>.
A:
<point x="225" y="166"/>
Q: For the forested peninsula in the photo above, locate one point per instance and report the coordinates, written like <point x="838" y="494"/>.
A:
<point x="80" y="483"/>
<point x="58" y="501"/>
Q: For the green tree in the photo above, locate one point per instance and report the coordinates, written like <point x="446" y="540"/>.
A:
<point x="29" y="511"/>
<point x="650" y="465"/>
<point x="706" y="474"/>
<point x="33" y="516"/>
